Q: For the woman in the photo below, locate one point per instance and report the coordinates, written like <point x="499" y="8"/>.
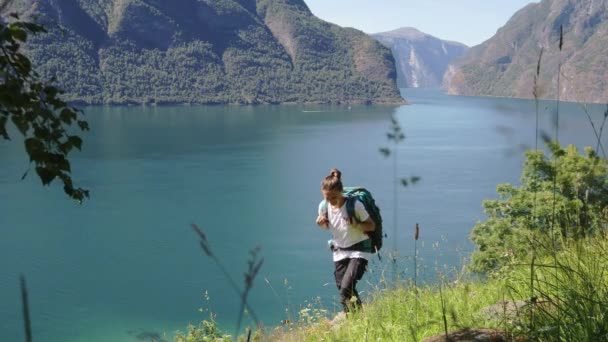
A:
<point x="349" y="237"/>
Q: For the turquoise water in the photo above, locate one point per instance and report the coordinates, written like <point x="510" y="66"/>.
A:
<point x="127" y="263"/>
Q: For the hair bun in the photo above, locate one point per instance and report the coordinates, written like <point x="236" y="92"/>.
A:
<point x="336" y="173"/>
<point x="333" y="182"/>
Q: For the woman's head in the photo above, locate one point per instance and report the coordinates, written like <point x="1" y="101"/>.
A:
<point x="331" y="187"/>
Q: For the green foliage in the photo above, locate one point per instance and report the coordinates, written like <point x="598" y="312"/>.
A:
<point x="392" y="315"/>
<point x="569" y="302"/>
<point x="564" y="196"/>
<point x="570" y="292"/>
<point x="207" y="331"/>
<point x="35" y="108"/>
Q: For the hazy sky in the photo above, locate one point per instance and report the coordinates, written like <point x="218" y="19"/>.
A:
<point x="466" y="21"/>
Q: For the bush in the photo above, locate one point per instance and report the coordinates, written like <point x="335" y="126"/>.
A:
<point x="564" y="196"/>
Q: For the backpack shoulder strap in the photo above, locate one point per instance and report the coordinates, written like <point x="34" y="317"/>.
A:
<point x="350" y="208"/>
<point x="324" y="208"/>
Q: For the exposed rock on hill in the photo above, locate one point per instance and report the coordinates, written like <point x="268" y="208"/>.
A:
<point x="505" y="64"/>
<point x="421" y="59"/>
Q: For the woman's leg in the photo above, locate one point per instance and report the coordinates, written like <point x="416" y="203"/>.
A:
<point x="348" y="272"/>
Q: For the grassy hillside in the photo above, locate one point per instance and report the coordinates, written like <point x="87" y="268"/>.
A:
<point x="560" y="297"/>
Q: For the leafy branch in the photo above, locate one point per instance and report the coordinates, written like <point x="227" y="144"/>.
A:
<point x="35" y="108"/>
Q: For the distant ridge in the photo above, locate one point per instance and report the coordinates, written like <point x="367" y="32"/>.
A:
<point x="206" y="51"/>
<point x="421" y="59"/>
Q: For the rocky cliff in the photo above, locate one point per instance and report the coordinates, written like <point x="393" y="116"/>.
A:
<point x="505" y="64"/>
<point x="421" y="59"/>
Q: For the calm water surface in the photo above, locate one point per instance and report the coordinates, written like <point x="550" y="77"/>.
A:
<point x="127" y="263"/>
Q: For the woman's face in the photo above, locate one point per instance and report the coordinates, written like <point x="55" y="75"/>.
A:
<point x="332" y="196"/>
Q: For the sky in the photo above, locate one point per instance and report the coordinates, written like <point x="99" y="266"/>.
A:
<point x="470" y="22"/>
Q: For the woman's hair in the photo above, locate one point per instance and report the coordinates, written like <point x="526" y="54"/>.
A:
<point x="333" y="182"/>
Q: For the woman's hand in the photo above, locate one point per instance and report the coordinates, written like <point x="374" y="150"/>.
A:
<point x="322" y="221"/>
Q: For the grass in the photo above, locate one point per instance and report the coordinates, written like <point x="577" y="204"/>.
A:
<point x="392" y="315"/>
<point x="570" y="291"/>
<point x="538" y="299"/>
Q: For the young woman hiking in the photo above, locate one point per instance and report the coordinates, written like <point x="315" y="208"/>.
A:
<point x="350" y="260"/>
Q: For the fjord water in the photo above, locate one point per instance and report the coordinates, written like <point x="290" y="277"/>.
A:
<point x="125" y="264"/>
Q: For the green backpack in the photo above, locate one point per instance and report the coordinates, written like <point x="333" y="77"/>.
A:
<point x="363" y="195"/>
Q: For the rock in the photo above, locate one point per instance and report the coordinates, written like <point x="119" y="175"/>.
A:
<point x="472" y="335"/>
<point x="506" y="310"/>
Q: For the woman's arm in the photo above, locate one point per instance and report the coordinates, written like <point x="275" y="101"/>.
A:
<point x="368" y="225"/>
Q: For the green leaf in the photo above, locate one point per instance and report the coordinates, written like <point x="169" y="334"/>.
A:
<point x="77" y="194"/>
<point x="23" y="64"/>
<point x="18" y="33"/>
<point x="46" y="176"/>
<point x="83" y="125"/>
<point x="34" y="28"/>
<point x="34" y="147"/>
<point x="51" y="92"/>
<point x="64" y="165"/>
<point x="75" y="141"/>
<point x="65" y="148"/>
<point x="42" y="133"/>
<point x="67" y="116"/>
<point x="560" y="153"/>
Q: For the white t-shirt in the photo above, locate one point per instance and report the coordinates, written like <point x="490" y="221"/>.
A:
<point x="344" y="234"/>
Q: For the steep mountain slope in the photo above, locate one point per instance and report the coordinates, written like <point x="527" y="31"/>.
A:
<point x="421" y="59"/>
<point x="505" y="64"/>
<point x="206" y="51"/>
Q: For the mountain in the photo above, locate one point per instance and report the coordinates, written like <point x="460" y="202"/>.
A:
<point x="421" y="59"/>
<point x="205" y="51"/>
<point x="505" y="65"/>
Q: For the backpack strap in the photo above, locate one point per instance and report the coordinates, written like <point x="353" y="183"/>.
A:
<point x="350" y="209"/>
<point x="324" y="209"/>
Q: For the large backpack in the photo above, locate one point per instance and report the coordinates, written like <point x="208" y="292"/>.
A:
<point x="363" y="195"/>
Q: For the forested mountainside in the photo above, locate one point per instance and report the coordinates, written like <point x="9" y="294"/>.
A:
<point x="205" y="51"/>
<point x="505" y="64"/>
<point x="420" y="58"/>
